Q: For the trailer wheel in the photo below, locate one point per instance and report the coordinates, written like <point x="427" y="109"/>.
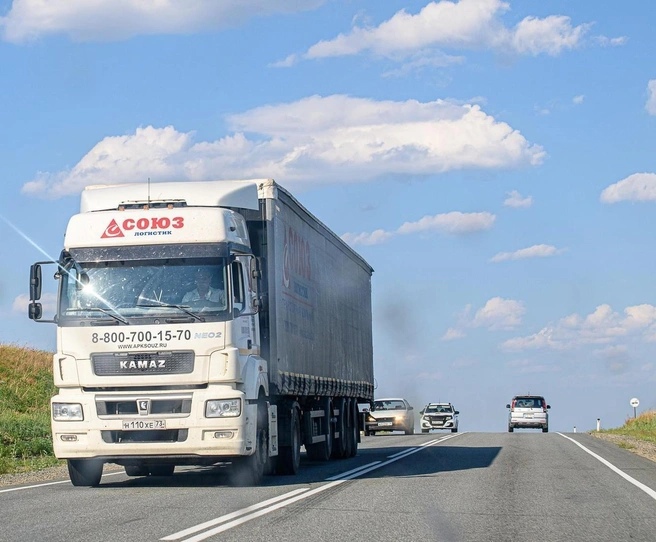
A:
<point x="85" y="472"/>
<point x="249" y="470"/>
<point x="321" y="451"/>
<point x="340" y="445"/>
<point x="289" y="457"/>
<point x="353" y="430"/>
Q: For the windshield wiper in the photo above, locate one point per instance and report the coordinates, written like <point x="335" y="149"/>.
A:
<point x="115" y="315"/>
<point x="183" y="308"/>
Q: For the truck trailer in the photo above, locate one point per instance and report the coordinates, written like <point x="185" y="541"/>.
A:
<point x="204" y="323"/>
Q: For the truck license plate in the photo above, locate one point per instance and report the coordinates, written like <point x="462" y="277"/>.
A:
<point x="384" y="423"/>
<point x="143" y="425"/>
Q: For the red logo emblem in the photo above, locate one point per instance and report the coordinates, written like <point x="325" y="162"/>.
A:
<point x="113" y="230"/>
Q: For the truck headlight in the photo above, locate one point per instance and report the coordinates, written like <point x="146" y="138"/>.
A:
<point x="67" y="412"/>
<point x="223" y="408"/>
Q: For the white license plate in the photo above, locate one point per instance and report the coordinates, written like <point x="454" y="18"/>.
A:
<point x="384" y="423"/>
<point x="528" y="415"/>
<point x="143" y="425"/>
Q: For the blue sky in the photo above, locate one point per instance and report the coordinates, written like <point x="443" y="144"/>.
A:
<point x="493" y="161"/>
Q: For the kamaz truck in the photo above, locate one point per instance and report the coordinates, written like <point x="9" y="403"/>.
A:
<point x="205" y="323"/>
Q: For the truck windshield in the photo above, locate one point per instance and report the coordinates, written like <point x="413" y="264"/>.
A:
<point x="121" y="290"/>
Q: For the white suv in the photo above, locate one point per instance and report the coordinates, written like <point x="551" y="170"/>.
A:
<point x="528" y="411"/>
<point x="439" y="416"/>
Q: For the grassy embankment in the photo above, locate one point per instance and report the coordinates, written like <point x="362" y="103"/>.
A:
<point x="643" y="427"/>
<point x="26" y="387"/>
<point x="25" y="390"/>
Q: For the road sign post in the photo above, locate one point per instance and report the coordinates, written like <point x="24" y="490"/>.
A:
<point x="634" y="403"/>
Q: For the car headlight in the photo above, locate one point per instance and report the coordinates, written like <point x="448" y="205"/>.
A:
<point x="67" y="412"/>
<point x="223" y="408"/>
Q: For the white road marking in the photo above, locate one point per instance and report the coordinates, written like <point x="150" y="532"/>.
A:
<point x="288" y="498"/>
<point x="649" y="491"/>
<point x="49" y="483"/>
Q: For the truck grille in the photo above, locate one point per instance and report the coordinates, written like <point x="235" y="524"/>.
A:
<point x="143" y="363"/>
<point x="170" y="435"/>
<point x="115" y="406"/>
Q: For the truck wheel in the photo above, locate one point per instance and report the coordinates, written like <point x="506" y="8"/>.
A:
<point x="85" y="472"/>
<point x="425" y="430"/>
<point x="249" y="470"/>
<point x="340" y="444"/>
<point x="289" y="457"/>
<point x="545" y="429"/>
<point x="510" y="429"/>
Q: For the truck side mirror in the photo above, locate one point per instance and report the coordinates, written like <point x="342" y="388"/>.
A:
<point x="34" y="311"/>
<point x="35" y="282"/>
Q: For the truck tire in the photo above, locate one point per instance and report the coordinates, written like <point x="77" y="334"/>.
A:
<point x="289" y="457"/>
<point x="510" y="429"/>
<point x="545" y="429"/>
<point x="85" y="472"/>
<point x="249" y="471"/>
<point x="321" y="451"/>
<point x="352" y="429"/>
<point x="340" y="445"/>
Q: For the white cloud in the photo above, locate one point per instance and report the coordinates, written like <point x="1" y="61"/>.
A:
<point x="317" y="139"/>
<point x="650" y="106"/>
<point x="454" y="223"/>
<point x="515" y="199"/>
<point x="499" y="313"/>
<point x="467" y="24"/>
<point x="603" y="327"/>
<point x="636" y="187"/>
<point x="99" y="20"/>
<point x="578" y="100"/>
<point x="453" y="334"/>
<point x="535" y="251"/>
<point x="550" y="35"/>
<point x="374" y="238"/>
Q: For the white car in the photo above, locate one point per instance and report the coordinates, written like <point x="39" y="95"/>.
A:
<point x="390" y="414"/>
<point x="528" y="411"/>
<point x="439" y="416"/>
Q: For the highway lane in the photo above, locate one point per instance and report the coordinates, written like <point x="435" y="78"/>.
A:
<point x="525" y="486"/>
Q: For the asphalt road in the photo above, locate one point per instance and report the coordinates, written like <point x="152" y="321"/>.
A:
<point x="522" y="486"/>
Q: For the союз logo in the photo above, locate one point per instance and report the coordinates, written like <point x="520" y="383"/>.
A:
<point x="114" y="229"/>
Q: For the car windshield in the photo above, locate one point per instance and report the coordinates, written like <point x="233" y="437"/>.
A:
<point x="389" y="405"/>
<point x="437" y="408"/>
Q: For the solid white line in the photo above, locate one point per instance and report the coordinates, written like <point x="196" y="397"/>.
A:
<point x="49" y="483"/>
<point x="355" y="473"/>
<point x="232" y="515"/>
<point x="649" y="491"/>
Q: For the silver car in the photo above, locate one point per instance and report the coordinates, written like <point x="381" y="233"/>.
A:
<point x="390" y="414"/>
<point x="528" y="411"/>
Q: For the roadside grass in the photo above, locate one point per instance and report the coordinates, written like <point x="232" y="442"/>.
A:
<point x="25" y="390"/>
<point x="642" y="427"/>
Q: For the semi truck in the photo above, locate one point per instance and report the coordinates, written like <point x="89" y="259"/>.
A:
<point x="205" y="323"/>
